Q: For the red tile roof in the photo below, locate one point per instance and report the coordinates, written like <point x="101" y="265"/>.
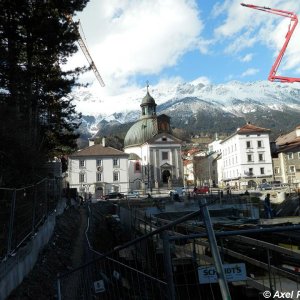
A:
<point x="250" y="128"/>
<point x="247" y="129"/>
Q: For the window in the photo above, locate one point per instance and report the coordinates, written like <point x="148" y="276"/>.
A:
<point x="81" y="163"/>
<point x="292" y="169"/>
<point x="298" y="155"/>
<point x="250" y="171"/>
<point x="81" y="177"/>
<point x="262" y="171"/>
<point x="290" y="155"/>
<point x="137" y="166"/>
<point x="116" y="176"/>
<point x="164" y="139"/>
<point x="115" y="162"/>
<point x="259" y="144"/>
<point x="249" y="157"/>
<point x="98" y="176"/>
<point x="248" y="144"/>
<point x="99" y="162"/>
<point x="165" y="155"/>
<point x="277" y="170"/>
<point x="260" y="157"/>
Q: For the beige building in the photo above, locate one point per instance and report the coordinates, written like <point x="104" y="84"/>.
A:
<point x="286" y="162"/>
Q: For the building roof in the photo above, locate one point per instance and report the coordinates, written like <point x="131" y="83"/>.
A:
<point x="148" y="99"/>
<point x="98" y="150"/>
<point x="289" y="142"/>
<point x="247" y="129"/>
<point x="250" y="128"/>
<point x="148" y="126"/>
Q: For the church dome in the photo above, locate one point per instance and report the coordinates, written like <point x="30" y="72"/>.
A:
<point x="148" y="125"/>
<point x="141" y="131"/>
<point x="148" y="99"/>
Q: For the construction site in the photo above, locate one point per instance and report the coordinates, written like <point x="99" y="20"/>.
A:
<point x="175" y="250"/>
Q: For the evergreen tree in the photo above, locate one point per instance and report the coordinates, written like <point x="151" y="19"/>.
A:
<point x="37" y="117"/>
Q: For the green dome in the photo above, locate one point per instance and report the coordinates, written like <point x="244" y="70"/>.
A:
<point x="141" y="131"/>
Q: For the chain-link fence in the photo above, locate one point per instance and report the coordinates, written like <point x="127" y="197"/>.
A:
<point x="23" y="210"/>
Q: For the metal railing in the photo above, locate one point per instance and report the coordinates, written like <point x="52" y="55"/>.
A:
<point x="23" y="210"/>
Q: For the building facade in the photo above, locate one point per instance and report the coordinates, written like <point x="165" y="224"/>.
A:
<point x="155" y="154"/>
<point x="286" y="160"/>
<point x="98" y="170"/>
<point x="246" y="157"/>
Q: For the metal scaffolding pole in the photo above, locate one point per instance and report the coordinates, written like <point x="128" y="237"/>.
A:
<point x="215" y="252"/>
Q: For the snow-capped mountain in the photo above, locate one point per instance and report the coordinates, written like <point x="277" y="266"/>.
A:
<point x="188" y="101"/>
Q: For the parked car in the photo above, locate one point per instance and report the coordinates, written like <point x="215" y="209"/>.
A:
<point x="202" y="190"/>
<point x="265" y="186"/>
<point x="133" y="194"/>
<point x="180" y="191"/>
<point x="114" y="195"/>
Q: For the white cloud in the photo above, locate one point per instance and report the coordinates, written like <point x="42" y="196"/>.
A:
<point x="250" y="72"/>
<point x="246" y="58"/>
<point x="245" y="27"/>
<point x="202" y="79"/>
<point x="138" y="37"/>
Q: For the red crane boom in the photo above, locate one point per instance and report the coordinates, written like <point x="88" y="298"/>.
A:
<point x="292" y="26"/>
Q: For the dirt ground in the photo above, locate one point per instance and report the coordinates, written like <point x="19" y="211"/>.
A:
<point x="64" y="252"/>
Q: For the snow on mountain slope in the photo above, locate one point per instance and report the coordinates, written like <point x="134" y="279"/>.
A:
<point x="234" y="97"/>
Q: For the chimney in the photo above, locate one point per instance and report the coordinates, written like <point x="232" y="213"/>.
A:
<point x="91" y="142"/>
<point x="103" y="142"/>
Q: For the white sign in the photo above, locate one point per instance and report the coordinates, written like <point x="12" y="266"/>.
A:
<point x="233" y="272"/>
<point x="99" y="286"/>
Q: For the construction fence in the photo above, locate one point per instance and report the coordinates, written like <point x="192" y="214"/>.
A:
<point x="171" y="259"/>
<point x="23" y="210"/>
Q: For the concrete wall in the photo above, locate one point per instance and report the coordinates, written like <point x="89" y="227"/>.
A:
<point x="15" y="268"/>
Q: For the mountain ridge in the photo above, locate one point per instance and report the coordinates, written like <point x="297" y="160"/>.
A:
<point x="263" y="103"/>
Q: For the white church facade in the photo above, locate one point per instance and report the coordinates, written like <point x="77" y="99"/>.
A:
<point x="154" y="153"/>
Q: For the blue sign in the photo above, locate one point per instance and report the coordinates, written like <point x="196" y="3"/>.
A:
<point x="233" y="272"/>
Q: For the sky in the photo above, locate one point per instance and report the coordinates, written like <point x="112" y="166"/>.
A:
<point x="173" y="41"/>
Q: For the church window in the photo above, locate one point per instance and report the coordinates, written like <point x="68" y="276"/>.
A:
<point x="116" y="176"/>
<point x="137" y="167"/>
<point x="116" y="162"/>
<point x="165" y="155"/>
<point x="98" y="176"/>
<point x="81" y="177"/>
<point x="164" y="139"/>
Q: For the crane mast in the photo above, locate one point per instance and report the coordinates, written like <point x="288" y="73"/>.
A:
<point x="86" y="53"/>
<point x="292" y="26"/>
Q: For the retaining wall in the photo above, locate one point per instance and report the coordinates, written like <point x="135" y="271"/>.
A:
<point x="16" y="267"/>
